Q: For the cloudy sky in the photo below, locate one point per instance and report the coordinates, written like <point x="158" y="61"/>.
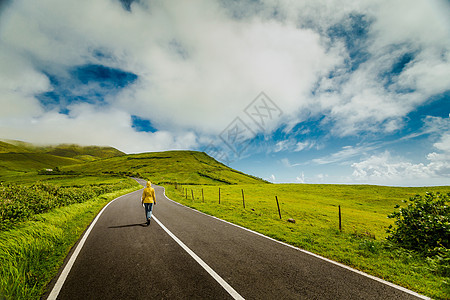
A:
<point x="308" y="91"/>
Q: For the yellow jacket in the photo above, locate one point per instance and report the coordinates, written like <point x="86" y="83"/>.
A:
<point x="148" y="196"/>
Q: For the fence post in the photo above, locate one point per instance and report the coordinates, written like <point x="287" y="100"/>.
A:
<point x="192" y="193"/>
<point x="203" y="197"/>
<point x="186" y="193"/>
<point x="340" y="219"/>
<point x="219" y="195"/>
<point x="279" y="212"/>
<point x="243" y="199"/>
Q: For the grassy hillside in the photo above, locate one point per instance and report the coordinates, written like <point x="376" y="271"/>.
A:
<point x="80" y="152"/>
<point x="19" y="146"/>
<point x="64" y="150"/>
<point x="19" y="158"/>
<point x="187" y="167"/>
<point x="168" y="167"/>
<point x="7" y="148"/>
<point x="29" y="162"/>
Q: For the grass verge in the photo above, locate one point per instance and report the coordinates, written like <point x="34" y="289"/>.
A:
<point x="32" y="252"/>
<point x="361" y="244"/>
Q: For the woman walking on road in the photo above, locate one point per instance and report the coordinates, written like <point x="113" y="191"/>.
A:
<point x="148" y="199"/>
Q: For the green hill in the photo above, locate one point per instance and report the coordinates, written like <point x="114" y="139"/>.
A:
<point x="7" y="148"/>
<point x="31" y="162"/>
<point x="17" y="158"/>
<point x="84" y="153"/>
<point x="187" y="167"/>
<point x="19" y="146"/>
<point x="64" y="150"/>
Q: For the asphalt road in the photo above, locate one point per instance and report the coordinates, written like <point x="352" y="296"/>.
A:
<point x="122" y="258"/>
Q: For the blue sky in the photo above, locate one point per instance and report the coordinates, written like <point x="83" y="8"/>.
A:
<point x="304" y="92"/>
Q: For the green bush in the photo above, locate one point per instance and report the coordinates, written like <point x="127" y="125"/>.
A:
<point x="423" y="225"/>
<point x="19" y="202"/>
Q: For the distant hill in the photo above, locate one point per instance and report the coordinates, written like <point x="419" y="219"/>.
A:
<point x="64" y="150"/>
<point x="7" y="148"/>
<point x="20" y="146"/>
<point x="83" y="153"/>
<point x="188" y="167"/>
<point x="30" y="162"/>
<point x="18" y="156"/>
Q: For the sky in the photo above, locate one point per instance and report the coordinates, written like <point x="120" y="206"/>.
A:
<point x="308" y="91"/>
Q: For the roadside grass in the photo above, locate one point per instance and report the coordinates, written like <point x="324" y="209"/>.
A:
<point x="32" y="252"/>
<point x="19" y="202"/>
<point x="361" y="244"/>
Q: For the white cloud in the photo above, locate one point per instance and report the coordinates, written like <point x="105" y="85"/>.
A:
<point x="321" y="177"/>
<point x="282" y="145"/>
<point x="431" y="125"/>
<point x="272" y="178"/>
<point x="301" y="178"/>
<point x="364" y="100"/>
<point x="287" y="163"/>
<point x="444" y="143"/>
<point x="198" y="67"/>
<point x="306" y="145"/>
<point x="346" y="153"/>
<point x="385" y="169"/>
<point x="293" y="145"/>
<point x="93" y="127"/>
<point x="411" y="21"/>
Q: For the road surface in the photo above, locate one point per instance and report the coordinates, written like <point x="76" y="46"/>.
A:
<point x="185" y="254"/>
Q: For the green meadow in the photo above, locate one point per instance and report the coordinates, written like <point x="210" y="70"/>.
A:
<point x="315" y="208"/>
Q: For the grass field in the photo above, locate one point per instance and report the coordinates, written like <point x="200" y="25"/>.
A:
<point x="361" y="244"/>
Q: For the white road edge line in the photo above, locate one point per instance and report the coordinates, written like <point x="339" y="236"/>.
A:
<point x="312" y="254"/>
<point x="208" y="269"/>
<point x="62" y="278"/>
